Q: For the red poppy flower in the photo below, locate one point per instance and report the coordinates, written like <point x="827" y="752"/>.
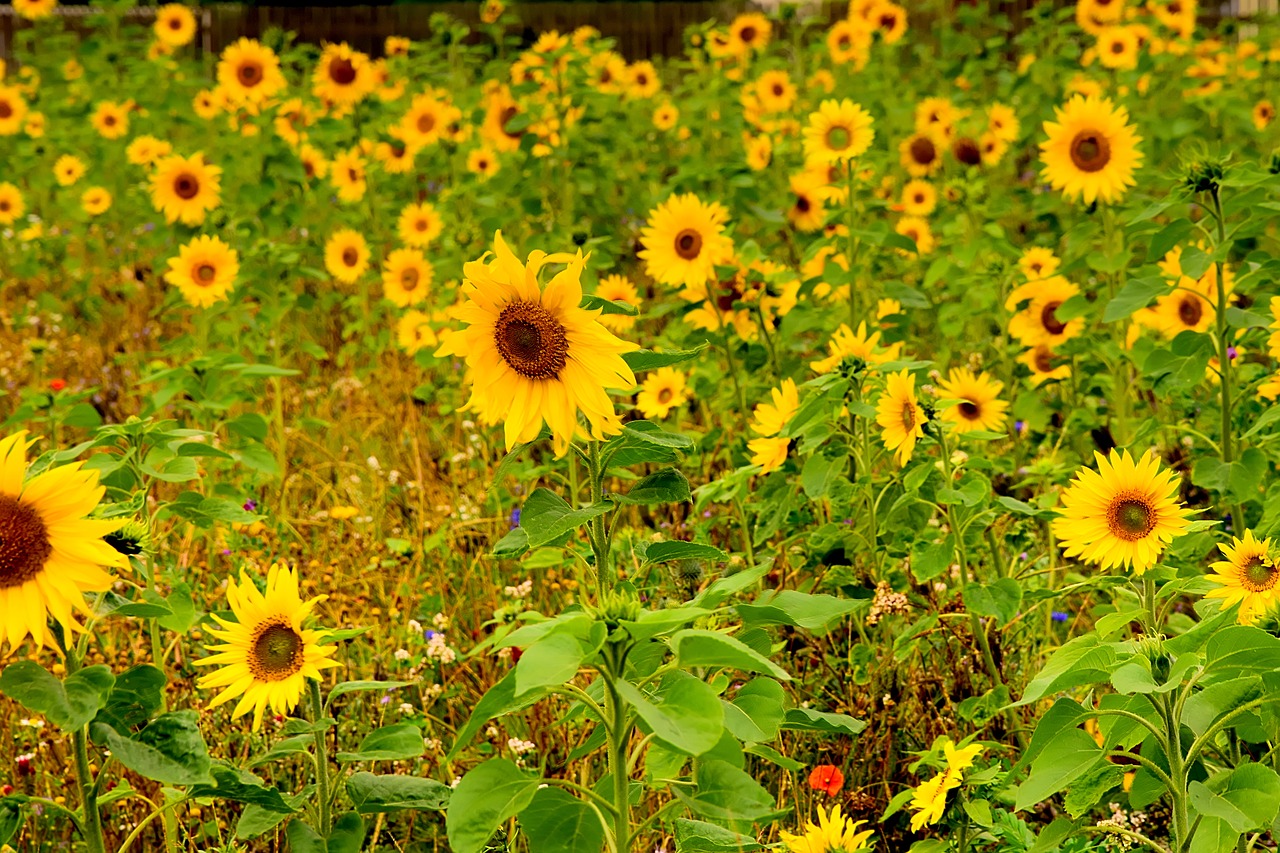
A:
<point x="826" y="778"/>
<point x="58" y="384"/>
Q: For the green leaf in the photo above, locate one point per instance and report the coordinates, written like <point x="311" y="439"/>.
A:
<point x="1136" y="293"/>
<point x="552" y="661"/>
<point x="1071" y="755"/>
<point x="685" y="713"/>
<point x="696" y="836"/>
<point x="170" y="750"/>
<point x="486" y="797"/>
<point x="726" y="793"/>
<point x="1083" y="660"/>
<point x="999" y="600"/>
<point x="136" y="695"/>
<point x="1134" y="677"/>
<point x="499" y="699"/>
<point x="346" y="687"/>
<point x="1247" y="798"/>
<point x="756" y="713"/>
<point x="546" y="516"/>
<point x="591" y="302"/>
<point x="558" y="822"/>
<point x="699" y="647"/>
<point x="397" y="742"/>
<point x="644" y="359"/>
<point x="68" y="704"/>
<point x="255" y="821"/>
<point x="241" y="786"/>
<point x="666" y="552"/>
<point x="384" y="794"/>
<point x="1087" y="791"/>
<point x="809" y="720"/>
<point x="815" y="613"/>
<point x="665" y="486"/>
<point x="13" y="813"/>
<point x="347" y="835"/>
<point x="1168" y="237"/>
<point x="820" y="474"/>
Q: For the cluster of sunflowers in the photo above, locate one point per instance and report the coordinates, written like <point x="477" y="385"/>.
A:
<point x="1002" y="306"/>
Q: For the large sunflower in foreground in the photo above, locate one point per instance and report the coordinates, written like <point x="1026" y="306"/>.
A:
<point x="838" y="131"/>
<point x="534" y="355"/>
<point x="186" y="188"/>
<point x="899" y="414"/>
<point x="1126" y="512"/>
<point x="50" y="553"/>
<point x="978" y="406"/>
<point x="249" y="72"/>
<point x="1248" y="576"/>
<point x="684" y="240"/>
<point x="204" y="271"/>
<point x="265" y="656"/>
<point x="1092" y="150"/>
<point x="833" y="833"/>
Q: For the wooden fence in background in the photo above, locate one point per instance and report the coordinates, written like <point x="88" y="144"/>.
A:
<point x="641" y="28"/>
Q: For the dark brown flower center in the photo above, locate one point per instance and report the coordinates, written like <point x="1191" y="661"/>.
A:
<point x="277" y="652"/>
<point x="908" y="415"/>
<point x="24" y="542"/>
<point x="1117" y="46"/>
<point x="888" y="21"/>
<point x="342" y="71"/>
<point x="748" y="34"/>
<point x="503" y="120"/>
<point x="409" y="278"/>
<point x="665" y="395"/>
<point x="1130" y="518"/>
<point x="1189" y="310"/>
<point x="175" y="24"/>
<point x="803" y="204"/>
<point x="249" y="73"/>
<point x="206" y="273"/>
<point x="923" y="150"/>
<point x="6" y="109"/>
<point x="186" y="186"/>
<point x="778" y="90"/>
<point x="1049" y="319"/>
<point x="969" y="411"/>
<point x="967" y="151"/>
<point x="4" y="205"/>
<point x="688" y="244"/>
<point x="1090" y="151"/>
<point x="1259" y="574"/>
<point x="350" y="256"/>
<point x="531" y="340"/>
<point x="426" y="123"/>
<point x="1044" y="359"/>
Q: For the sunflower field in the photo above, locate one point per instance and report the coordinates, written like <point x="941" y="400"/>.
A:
<point x="857" y="432"/>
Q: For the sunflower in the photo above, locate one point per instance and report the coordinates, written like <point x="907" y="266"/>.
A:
<point x="749" y="31"/>
<point x="249" y="73"/>
<point x="1177" y="15"/>
<point x="618" y="288"/>
<point x="491" y="11"/>
<point x="1264" y="112"/>
<point x="1037" y="263"/>
<point x="978" y="406"/>
<point x="991" y="148"/>
<point x="684" y="240"/>
<point x="420" y="224"/>
<point x="1118" y="47"/>
<point x="1248" y="576"/>
<point x="1192" y="303"/>
<point x="1038" y="323"/>
<point x="919" y="198"/>
<point x="209" y="102"/>
<point x="1003" y="122"/>
<point x="643" y="80"/>
<point x="534" y="355"/>
<point x="662" y="390"/>
<point x="845" y="343"/>
<point x="929" y="800"/>
<point x="68" y="169"/>
<point x="808" y="210"/>
<point x="1040" y="359"/>
<point x="34" y="125"/>
<point x="833" y="833"/>
<point x="769" y="418"/>
<point x="34" y="10"/>
<point x="774" y="92"/>
<point x="414" y="332"/>
<point x="175" y="25"/>
<point x="504" y="120"/>
<point x="1123" y="513"/>
<point x="838" y="131"/>
<point x="265" y="656"/>
<point x="483" y="162"/>
<point x="346" y="255"/>
<point x="347" y="174"/>
<point x="95" y="201"/>
<point x="665" y="116"/>
<point x="396" y="46"/>
<point x="890" y="21"/>
<point x="292" y="116"/>
<point x="396" y="156"/>
<point x="1091" y="151"/>
<point x="406" y="277"/>
<point x="917" y="230"/>
<point x="13" y="111"/>
<point x="52" y="553"/>
<point x="427" y="119"/>
<point x="185" y="188"/>
<point x="343" y="76"/>
<point x="12" y="205"/>
<point x="204" y="271"/>
<point x="147" y="150"/>
<point x="759" y="152"/>
<point x="1094" y="15"/>
<point x="313" y="163"/>
<point x="920" y="154"/>
<point x="937" y="116"/>
<point x="898" y="412"/>
<point x="849" y="42"/>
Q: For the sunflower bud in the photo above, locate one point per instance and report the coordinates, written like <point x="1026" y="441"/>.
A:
<point x="1203" y="174"/>
<point x="132" y="539"/>
<point x="1151" y="646"/>
<point x="1274" y="168"/>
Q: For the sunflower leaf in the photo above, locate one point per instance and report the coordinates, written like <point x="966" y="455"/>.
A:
<point x="68" y="704"/>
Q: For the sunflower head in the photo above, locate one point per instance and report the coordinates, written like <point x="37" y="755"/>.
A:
<point x="1091" y="151"/>
<point x="1249" y="576"/>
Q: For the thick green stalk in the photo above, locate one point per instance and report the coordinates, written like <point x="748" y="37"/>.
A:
<point x="92" y="823"/>
<point x="322" y="759"/>
<point x="1225" y="376"/>
<point x="619" y="731"/>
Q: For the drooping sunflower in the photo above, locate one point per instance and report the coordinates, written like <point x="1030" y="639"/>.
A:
<point x="1248" y="576"/>
<point x="95" y="201"/>
<point x="769" y="418"/>
<point x="1092" y="150"/>
<point x="204" y="271"/>
<point x="504" y="120"/>
<point x="749" y="31"/>
<point x="68" y="169"/>
<point x="175" y="25"/>
<point x="1038" y="323"/>
<point x="186" y="188"/>
<point x="347" y="174"/>
<point x="833" y="833"/>
<point x="920" y="154"/>
<point x="978" y="406"/>
<point x="13" y="110"/>
<point x="1126" y="512"/>
<point x="618" y="288"/>
<point x="406" y="277"/>
<point x="346" y="255"/>
<point x="12" y="205"/>
<point x="838" y="131"/>
<point x="266" y="655"/>
<point x="314" y="164"/>
<point x="414" y="332"/>
<point x="419" y="224"/>
<point x="808" y="211"/>
<point x="343" y="76"/>
<point x="34" y="10"/>
<point x="52" y="553"/>
<point x="663" y="389"/>
<point x="534" y="354"/>
<point x="900" y="417"/>
<point x="846" y="343"/>
<point x="684" y="240"/>
<point x="249" y="73"/>
<point x="759" y="152"/>
<point x="929" y="800"/>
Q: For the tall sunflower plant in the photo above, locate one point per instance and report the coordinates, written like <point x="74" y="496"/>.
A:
<point x="674" y="695"/>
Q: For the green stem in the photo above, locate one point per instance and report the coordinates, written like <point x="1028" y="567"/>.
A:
<point x="1108" y="829"/>
<point x="322" y="759"/>
<point x="1149" y="597"/>
<point x="1224" y="347"/>
<point x="92" y="823"/>
<point x="167" y="808"/>
<point x="619" y="734"/>
<point x="597" y="532"/>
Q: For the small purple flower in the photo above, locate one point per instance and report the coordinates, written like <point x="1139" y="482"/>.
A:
<point x="226" y="552"/>
<point x="429" y="633"/>
<point x="1059" y="616"/>
<point x="515" y="518"/>
<point x="250" y="505"/>
<point x="1231" y="353"/>
<point x="1020" y="426"/>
